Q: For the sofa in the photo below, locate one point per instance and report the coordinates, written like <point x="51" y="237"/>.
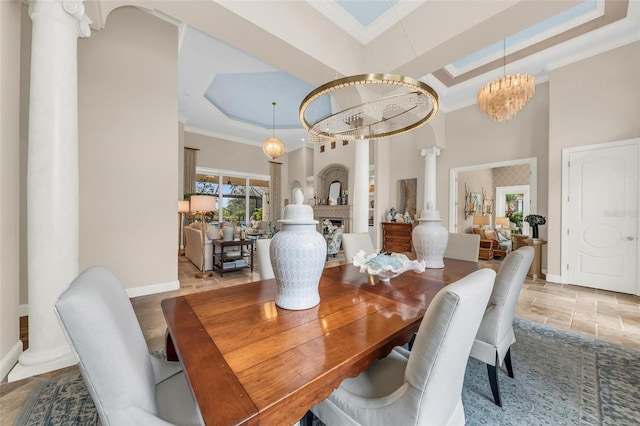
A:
<point x="493" y="242"/>
<point x="193" y="247"/>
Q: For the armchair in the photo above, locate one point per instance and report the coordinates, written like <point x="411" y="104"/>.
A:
<point x="334" y="240"/>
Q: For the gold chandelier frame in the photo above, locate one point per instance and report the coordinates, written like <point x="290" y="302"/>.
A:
<point x="397" y="114"/>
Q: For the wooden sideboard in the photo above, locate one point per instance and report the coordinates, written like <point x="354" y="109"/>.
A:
<point x="396" y="237"/>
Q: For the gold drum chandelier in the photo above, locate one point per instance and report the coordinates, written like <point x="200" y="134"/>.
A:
<point x="503" y="98"/>
<point x="408" y="103"/>
<point x="273" y="147"/>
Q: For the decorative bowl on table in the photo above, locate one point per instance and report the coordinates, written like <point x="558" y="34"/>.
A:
<point x="386" y="266"/>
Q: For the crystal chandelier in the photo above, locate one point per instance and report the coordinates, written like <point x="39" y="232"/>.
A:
<point x="273" y="147"/>
<point x="407" y="104"/>
<point x="503" y="98"/>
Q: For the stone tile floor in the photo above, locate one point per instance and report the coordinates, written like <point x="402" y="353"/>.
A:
<point x="606" y="315"/>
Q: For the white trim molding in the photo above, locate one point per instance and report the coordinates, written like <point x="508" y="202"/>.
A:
<point x="146" y="290"/>
<point x="10" y="359"/>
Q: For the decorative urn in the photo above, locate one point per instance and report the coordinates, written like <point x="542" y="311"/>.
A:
<point x="227" y="231"/>
<point x="298" y="253"/>
<point x="430" y="238"/>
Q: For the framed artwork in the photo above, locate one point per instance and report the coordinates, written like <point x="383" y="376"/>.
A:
<point x="407" y="195"/>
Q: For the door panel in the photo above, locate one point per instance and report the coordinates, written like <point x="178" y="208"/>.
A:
<point x="603" y="203"/>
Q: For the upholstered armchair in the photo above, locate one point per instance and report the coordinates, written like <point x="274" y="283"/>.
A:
<point x="334" y="240"/>
<point x="495" y="336"/>
<point x="424" y="386"/>
<point x="264" y="258"/>
<point x="127" y="384"/>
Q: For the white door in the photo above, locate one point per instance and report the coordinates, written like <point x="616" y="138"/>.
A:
<point x="603" y="217"/>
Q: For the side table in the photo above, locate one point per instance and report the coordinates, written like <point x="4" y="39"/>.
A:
<point x="220" y="260"/>
<point x="535" y="271"/>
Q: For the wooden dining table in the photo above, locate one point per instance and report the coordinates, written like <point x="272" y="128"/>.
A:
<point x="250" y="362"/>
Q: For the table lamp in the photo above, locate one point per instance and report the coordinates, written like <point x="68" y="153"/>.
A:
<point x="183" y="207"/>
<point x="481" y="220"/>
<point x="503" y="222"/>
<point x="203" y="204"/>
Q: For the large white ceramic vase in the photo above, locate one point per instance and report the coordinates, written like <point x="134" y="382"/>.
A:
<point x="430" y="238"/>
<point x="298" y="253"/>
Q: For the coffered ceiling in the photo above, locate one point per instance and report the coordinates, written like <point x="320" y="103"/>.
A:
<point x="238" y="56"/>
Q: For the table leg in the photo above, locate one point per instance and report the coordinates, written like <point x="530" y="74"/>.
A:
<point x="170" y="348"/>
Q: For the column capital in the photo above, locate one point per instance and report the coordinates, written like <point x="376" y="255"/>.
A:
<point x="68" y="12"/>
<point x="434" y="150"/>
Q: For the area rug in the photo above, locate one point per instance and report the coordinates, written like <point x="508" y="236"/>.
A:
<point x="561" y="378"/>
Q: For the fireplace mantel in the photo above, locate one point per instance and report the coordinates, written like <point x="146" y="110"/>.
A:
<point x="342" y="212"/>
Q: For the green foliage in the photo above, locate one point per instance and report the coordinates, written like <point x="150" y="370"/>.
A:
<point x="516" y="217"/>
<point x="258" y="213"/>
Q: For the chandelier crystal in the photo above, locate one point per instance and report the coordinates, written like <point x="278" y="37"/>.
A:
<point x="408" y="104"/>
<point x="273" y="147"/>
<point x="503" y="98"/>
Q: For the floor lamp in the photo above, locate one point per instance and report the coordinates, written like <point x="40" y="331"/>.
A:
<point x="203" y="204"/>
<point x="183" y="207"/>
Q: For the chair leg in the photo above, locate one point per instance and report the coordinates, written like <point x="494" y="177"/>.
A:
<point x="507" y="363"/>
<point x="492" y="370"/>
<point x="307" y="420"/>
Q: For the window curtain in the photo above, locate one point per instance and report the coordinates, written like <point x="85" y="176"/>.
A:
<point x="190" y="160"/>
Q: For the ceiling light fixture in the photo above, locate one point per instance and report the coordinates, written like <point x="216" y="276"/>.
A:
<point x="407" y="104"/>
<point x="503" y="98"/>
<point x="273" y="147"/>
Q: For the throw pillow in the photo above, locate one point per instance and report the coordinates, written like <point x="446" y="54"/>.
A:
<point x="489" y="235"/>
<point x="213" y="233"/>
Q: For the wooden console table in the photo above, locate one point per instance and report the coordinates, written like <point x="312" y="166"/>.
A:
<point x="222" y="263"/>
<point x="396" y="237"/>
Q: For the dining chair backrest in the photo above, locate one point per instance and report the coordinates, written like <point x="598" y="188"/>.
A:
<point x="264" y="258"/>
<point x="114" y="360"/>
<point x="436" y="366"/>
<point x="463" y="247"/>
<point x="496" y="330"/>
<point x="352" y="243"/>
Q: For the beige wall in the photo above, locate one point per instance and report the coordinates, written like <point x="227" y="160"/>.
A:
<point x="128" y="137"/>
<point x="9" y="182"/>
<point x="300" y="166"/>
<point x="591" y="101"/>
<point x="25" y="73"/>
<point x="474" y="139"/>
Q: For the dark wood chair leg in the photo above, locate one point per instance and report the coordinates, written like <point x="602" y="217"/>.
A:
<point x="170" y="349"/>
<point x="507" y="363"/>
<point x="413" y="339"/>
<point x="493" y="381"/>
<point x="307" y="420"/>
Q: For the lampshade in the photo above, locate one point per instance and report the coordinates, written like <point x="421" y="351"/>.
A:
<point x="481" y="220"/>
<point x="203" y="203"/>
<point x="502" y="221"/>
<point x="183" y="206"/>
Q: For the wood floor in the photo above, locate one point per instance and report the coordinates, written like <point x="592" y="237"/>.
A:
<point x="606" y="315"/>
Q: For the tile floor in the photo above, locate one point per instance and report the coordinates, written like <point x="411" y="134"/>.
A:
<point x="606" y="315"/>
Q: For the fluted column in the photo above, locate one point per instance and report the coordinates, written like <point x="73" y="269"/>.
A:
<point x="430" y="155"/>
<point x="360" y="193"/>
<point x="52" y="178"/>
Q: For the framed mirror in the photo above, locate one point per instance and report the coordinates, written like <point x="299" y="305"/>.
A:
<point x="335" y="189"/>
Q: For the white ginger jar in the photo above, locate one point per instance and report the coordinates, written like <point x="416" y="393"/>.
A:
<point x="430" y="238"/>
<point x="227" y="231"/>
<point x="298" y="253"/>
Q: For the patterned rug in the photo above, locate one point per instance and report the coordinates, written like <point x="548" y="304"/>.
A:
<point x="561" y="378"/>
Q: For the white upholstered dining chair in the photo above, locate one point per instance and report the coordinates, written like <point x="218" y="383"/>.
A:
<point x="463" y="247"/>
<point x="127" y="384"/>
<point x="353" y="242"/>
<point x="495" y="336"/>
<point x="424" y="386"/>
<point x="264" y="258"/>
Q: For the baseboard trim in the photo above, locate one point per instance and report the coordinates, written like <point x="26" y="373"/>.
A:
<point x="153" y="289"/>
<point x="10" y="359"/>
<point x="552" y="278"/>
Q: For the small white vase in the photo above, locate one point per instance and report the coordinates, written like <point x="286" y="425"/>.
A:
<point x="430" y="238"/>
<point x="298" y="253"/>
<point x="227" y="231"/>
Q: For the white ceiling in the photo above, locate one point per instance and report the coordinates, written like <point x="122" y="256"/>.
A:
<point x="237" y="57"/>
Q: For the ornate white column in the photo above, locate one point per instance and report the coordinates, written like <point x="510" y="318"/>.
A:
<point x="430" y="155"/>
<point x="360" y="194"/>
<point x="52" y="178"/>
